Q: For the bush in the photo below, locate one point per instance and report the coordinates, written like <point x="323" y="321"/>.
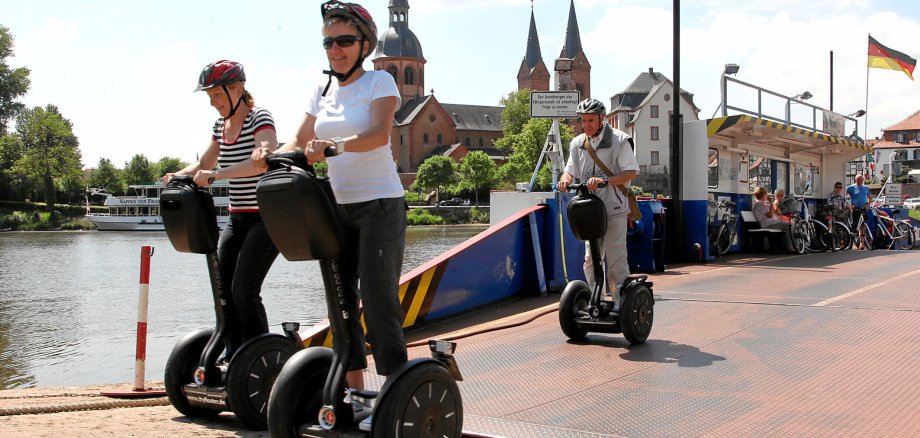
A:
<point x="79" y="224"/>
<point x="421" y="216"/>
<point x="478" y="216"/>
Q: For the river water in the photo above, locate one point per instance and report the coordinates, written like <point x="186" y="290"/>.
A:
<point x="68" y="300"/>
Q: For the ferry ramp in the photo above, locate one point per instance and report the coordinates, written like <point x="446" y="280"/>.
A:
<point x="814" y="345"/>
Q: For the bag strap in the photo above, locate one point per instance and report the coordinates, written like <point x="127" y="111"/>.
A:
<point x="587" y="146"/>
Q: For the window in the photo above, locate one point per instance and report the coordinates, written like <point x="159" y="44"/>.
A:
<point x="654" y="161"/>
<point x="917" y="136"/>
<point x="900" y="137"/>
<point x="917" y="154"/>
<point x="393" y="71"/>
<point x="760" y="173"/>
<point x="400" y="139"/>
<point x="654" y="133"/>
<point x="713" y="180"/>
<point x="581" y="89"/>
<point x="480" y="142"/>
<point x="425" y="139"/>
<point x="467" y="142"/>
<point x="653" y="110"/>
<point x="803" y="179"/>
<point x="439" y="139"/>
<point x="410" y="76"/>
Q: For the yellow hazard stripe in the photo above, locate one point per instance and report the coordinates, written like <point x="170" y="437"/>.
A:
<point x="423" y="289"/>
<point x="714" y="126"/>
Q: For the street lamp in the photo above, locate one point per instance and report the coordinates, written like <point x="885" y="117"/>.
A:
<point x="859" y="113"/>
<point x="797" y="98"/>
<point x="804" y="96"/>
<point x="563" y="67"/>
<point x="730" y="69"/>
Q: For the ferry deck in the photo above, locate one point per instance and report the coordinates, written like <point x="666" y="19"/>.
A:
<point x="802" y="345"/>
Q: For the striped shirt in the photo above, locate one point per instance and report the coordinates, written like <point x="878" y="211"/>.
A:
<point x="232" y="151"/>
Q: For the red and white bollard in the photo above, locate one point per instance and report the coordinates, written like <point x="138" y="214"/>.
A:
<point x="140" y="356"/>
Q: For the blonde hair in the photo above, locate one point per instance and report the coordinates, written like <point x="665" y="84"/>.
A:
<point x="760" y="192"/>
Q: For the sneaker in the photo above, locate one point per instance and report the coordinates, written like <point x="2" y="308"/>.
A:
<point x="365" y="424"/>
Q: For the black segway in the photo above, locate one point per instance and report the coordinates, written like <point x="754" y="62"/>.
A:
<point x="310" y="397"/>
<point x="581" y="310"/>
<point x="202" y="377"/>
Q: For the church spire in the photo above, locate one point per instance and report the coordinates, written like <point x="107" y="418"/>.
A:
<point x="533" y="56"/>
<point x="399" y="13"/>
<point x="572" y="37"/>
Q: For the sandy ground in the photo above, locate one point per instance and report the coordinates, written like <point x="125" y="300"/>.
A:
<point x="85" y="413"/>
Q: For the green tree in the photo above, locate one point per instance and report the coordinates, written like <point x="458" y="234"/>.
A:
<point x="51" y="154"/>
<point x="515" y="114"/>
<point x="526" y="146"/>
<point x="477" y="170"/>
<point x="11" y="184"/>
<point x="107" y="176"/>
<point x="168" y="165"/>
<point x="435" y="172"/>
<point x="139" y="171"/>
<point x="13" y="82"/>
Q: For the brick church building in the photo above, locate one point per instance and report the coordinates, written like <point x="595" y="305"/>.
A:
<point x="424" y="127"/>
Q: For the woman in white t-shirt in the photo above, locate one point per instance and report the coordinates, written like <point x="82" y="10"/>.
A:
<point x="354" y="113"/>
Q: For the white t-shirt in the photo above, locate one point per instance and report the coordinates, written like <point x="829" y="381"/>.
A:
<point x="345" y="111"/>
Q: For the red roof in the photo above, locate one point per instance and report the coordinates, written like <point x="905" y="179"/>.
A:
<point x="912" y="122"/>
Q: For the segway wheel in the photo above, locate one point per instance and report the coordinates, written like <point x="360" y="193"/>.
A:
<point x="637" y="314"/>
<point x="423" y="402"/>
<point x="252" y="374"/>
<point x="297" y="397"/>
<point x="180" y="371"/>
<point x="574" y="302"/>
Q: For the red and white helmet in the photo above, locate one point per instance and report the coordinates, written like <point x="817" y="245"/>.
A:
<point x="219" y="73"/>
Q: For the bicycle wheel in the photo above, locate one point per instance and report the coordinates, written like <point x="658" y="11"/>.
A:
<point x="865" y="237"/>
<point x="814" y="231"/>
<point x="799" y="237"/>
<point x="842" y="239"/>
<point x="904" y="236"/>
<point x="723" y="239"/>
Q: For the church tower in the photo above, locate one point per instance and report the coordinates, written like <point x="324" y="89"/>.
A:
<point x="533" y="73"/>
<point x="581" y="68"/>
<point x="400" y="53"/>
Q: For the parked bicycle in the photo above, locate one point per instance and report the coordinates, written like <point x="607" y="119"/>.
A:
<point x="806" y="231"/>
<point x="838" y="237"/>
<point x="722" y="233"/>
<point x="892" y="233"/>
<point x="861" y="234"/>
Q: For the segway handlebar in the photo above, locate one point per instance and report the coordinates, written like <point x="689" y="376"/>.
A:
<point x="583" y="187"/>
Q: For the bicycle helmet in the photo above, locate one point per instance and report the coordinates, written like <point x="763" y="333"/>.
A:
<point x="362" y="19"/>
<point x="591" y="106"/>
<point x="222" y="73"/>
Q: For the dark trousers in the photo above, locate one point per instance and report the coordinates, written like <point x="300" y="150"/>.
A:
<point x="245" y="254"/>
<point x="375" y="239"/>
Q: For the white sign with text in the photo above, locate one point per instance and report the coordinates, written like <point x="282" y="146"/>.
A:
<point x="553" y="104"/>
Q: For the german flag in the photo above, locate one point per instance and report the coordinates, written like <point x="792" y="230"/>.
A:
<point x="883" y="57"/>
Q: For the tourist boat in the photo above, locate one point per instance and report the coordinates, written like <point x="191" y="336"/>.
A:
<point x="140" y="209"/>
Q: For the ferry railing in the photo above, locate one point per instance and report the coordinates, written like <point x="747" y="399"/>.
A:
<point x="818" y="114"/>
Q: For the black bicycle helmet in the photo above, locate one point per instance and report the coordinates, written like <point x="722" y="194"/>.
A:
<point x="355" y="13"/>
<point x="222" y="73"/>
<point x="591" y="106"/>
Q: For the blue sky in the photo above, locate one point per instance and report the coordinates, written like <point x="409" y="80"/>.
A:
<point x="123" y="71"/>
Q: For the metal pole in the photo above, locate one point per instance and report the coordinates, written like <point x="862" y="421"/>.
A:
<point x="832" y="81"/>
<point x="676" y="199"/>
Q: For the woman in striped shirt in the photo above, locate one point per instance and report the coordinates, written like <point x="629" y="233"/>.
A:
<point x="245" y="251"/>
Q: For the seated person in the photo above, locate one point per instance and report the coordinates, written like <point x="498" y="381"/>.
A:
<point x="780" y="206"/>
<point x="763" y="212"/>
<point x="838" y="202"/>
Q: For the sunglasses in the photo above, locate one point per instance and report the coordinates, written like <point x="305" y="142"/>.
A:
<point x="838" y="187"/>
<point x="341" y="40"/>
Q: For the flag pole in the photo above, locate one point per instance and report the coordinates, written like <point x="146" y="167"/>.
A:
<point x="866" y="128"/>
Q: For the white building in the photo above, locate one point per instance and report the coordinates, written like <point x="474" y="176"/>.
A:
<point x="643" y="110"/>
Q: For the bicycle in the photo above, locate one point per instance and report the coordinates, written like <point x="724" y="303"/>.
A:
<point x="726" y="228"/>
<point x="861" y="233"/>
<point x="806" y="230"/>
<point x="838" y="237"/>
<point x="897" y="233"/>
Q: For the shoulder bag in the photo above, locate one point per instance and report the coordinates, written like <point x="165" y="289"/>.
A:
<point x="634" y="213"/>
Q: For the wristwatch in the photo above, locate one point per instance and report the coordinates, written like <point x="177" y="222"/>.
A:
<point x="339" y="144"/>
